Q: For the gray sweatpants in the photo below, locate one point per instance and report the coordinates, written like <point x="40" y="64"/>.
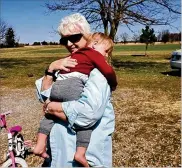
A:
<point x="62" y="91"/>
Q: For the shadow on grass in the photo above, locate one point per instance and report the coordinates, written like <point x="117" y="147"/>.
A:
<point x="168" y="58"/>
<point x="136" y="65"/>
<point x="24" y="62"/>
<point x="138" y="55"/>
<point x="1" y="77"/>
<point x="172" y="73"/>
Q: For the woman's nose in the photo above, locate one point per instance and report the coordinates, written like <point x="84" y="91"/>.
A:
<point x="69" y="43"/>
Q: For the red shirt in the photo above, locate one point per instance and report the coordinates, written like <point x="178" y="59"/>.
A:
<point x="88" y="59"/>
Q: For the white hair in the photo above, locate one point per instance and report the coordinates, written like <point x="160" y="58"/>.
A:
<point x="74" y="24"/>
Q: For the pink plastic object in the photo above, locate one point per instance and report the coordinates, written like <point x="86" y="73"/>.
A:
<point x="2" y="118"/>
<point x="2" y="121"/>
<point x="15" y="129"/>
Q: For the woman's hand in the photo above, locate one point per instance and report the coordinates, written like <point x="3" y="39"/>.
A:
<point x="54" y="108"/>
<point x="62" y="64"/>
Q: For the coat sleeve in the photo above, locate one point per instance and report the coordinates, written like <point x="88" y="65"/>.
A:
<point x="100" y="63"/>
<point x="86" y="111"/>
<point x="42" y="95"/>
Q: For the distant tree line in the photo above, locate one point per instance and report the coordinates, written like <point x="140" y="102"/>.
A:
<point x="8" y="37"/>
<point x="164" y="36"/>
<point x="148" y="36"/>
<point x="45" y="43"/>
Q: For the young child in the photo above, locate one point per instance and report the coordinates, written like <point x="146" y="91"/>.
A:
<point x="99" y="47"/>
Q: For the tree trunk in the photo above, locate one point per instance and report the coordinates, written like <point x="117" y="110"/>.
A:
<point x="113" y="32"/>
<point x="146" y="47"/>
<point x="106" y="29"/>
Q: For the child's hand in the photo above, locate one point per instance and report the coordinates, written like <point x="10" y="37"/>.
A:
<point x="45" y="106"/>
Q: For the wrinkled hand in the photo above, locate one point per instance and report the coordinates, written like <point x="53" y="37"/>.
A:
<point x="52" y="108"/>
<point x="63" y="64"/>
<point x="55" y="108"/>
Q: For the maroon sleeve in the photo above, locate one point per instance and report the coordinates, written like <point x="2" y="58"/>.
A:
<point x="100" y="63"/>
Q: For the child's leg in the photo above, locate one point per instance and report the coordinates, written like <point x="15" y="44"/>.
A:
<point x="83" y="139"/>
<point x="80" y="156"/>
<point x="46" y="125"/>
<point x="40" y="147"/>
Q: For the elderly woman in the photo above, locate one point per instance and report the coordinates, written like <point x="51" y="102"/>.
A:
<point x="93" y="107"/>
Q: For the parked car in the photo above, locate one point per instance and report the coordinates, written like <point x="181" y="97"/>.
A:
<point x="175" y="61"/>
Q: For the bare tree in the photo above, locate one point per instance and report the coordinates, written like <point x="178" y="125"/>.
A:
<point x="174" y="37"/>
<point x="124" y="37"/>
<point x="165" y="36"/>
<point x="136" y="37"/>
<point x="116" y="39"/>
<point x="159" y="36"/>
<point x="109" y="14"/>
<point x="3" y="29"/>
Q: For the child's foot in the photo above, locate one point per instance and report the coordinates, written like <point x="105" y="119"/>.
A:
<point x="40" y="147"/>
<point x="40" y="151"/>
<point x="37" y="150"/>
<point x="81" y="159"/>
<point x="44" y="155"/>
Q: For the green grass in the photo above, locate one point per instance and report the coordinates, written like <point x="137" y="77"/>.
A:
<point x="152" y="72"/>
<point x="15" y="72"/>
<point x="51" y="51"/>
<point x="160" y="47"/>
<point x="36" y="51"/>
<point x="33" y="51"/>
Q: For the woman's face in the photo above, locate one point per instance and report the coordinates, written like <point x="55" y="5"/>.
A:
<point x="73" y="42"/>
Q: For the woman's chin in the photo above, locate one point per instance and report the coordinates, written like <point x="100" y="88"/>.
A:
<point x="72" y="50"/>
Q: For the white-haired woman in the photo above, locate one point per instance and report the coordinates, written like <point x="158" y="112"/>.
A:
<point x="93" y="107"/>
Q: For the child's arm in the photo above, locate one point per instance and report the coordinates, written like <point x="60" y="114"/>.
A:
<point x="100" y="63"/>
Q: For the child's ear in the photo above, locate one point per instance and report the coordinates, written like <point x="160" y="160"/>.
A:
<point x="94" y="44"/>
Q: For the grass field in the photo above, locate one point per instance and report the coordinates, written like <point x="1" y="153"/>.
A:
<point x="146" y="102"/>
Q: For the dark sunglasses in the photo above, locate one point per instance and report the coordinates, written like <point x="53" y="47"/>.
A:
<point x="73" y="39"/>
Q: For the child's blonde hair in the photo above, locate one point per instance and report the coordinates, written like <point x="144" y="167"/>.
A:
<point x="102" y="38"/>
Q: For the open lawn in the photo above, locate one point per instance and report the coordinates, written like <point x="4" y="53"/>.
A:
<point x="146" y="102"/>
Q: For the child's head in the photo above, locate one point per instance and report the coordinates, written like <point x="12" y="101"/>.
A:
<point x="101" y="43"/>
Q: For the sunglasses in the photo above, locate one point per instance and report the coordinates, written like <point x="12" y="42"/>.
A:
<point x="73" y="39"/>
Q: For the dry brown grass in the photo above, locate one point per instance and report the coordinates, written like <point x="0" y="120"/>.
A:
<point x="26" y="112"/>
<point x="147" y="129"/>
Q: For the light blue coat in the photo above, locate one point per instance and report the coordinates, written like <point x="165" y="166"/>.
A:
<point x="93" y="108"/>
